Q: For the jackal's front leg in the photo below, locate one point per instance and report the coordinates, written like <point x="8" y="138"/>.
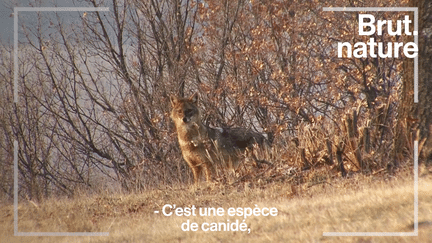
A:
<point x="208" y="173"/>
<point x="196" y="170"/>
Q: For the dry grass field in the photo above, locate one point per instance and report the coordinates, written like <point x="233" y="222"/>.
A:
<point x="357" y="204"/>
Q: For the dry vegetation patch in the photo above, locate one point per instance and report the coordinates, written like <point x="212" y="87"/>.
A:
<point x="357" y="204"/>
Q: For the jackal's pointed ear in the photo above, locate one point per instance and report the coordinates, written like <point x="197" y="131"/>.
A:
<point x="173" y="99"/>
<point x="194" y="98"/>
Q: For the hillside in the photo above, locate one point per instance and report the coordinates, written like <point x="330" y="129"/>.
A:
<point x="357" y="204"/>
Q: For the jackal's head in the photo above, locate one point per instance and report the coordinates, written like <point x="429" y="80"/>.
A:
<point x="185" y="110"/>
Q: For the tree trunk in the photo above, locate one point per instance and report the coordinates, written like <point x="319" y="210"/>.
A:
<point x="415" y="119"/>
<point x="424" y="108"/>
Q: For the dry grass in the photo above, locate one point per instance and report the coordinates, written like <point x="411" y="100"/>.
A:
<point x="356" y="204"/>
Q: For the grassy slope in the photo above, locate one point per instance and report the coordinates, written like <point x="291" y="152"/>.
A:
<point x="356" y="204"/>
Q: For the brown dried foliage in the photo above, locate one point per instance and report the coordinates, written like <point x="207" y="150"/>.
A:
<point x="102" y="89"/>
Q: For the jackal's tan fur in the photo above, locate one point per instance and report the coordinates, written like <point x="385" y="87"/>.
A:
<point x="204" y="146"/>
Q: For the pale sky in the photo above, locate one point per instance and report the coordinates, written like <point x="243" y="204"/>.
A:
<point x="6" y="13"/>
<point x="6" y="22"/>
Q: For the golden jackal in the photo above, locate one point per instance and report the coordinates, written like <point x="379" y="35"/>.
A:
<point x="204" y="146"/>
